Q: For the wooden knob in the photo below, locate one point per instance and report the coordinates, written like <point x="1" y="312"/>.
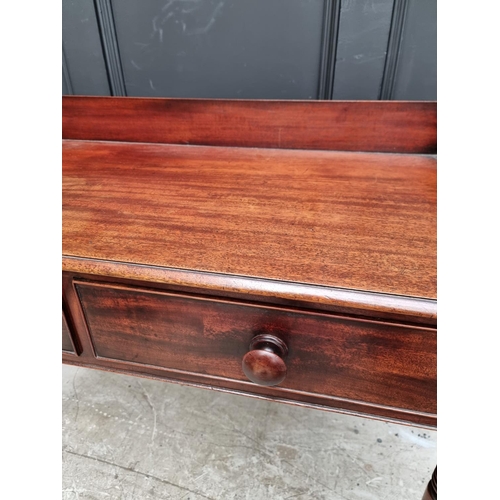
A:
<point x="265" y="364"/>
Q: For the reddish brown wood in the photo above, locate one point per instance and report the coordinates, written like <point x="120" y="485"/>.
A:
<point x="431" y="490"/>
<point x="296" y="398"/>
<point x="389" y="126"/>
<point x="346" y="220"/>
<point x="182" y="254"/>
<point x="67" y="344"/>
<point x="427" y="496"/>
<point x="361" y="361"/>
<point x="338" y="300"/>
<point x="72" y="311"/>
<point x="265" y="363"/>
<point x="285" y="395"/>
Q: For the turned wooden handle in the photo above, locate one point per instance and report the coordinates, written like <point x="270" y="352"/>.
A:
<point x="265" y="364"/>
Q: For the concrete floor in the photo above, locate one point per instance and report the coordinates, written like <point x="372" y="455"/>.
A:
<point x="129" y="438"/>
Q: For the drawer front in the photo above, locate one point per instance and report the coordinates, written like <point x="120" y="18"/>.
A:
<point x="67" y="344"/>
<point x="333" y="356"/>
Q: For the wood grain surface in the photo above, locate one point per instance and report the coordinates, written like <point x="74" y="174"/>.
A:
<point x="190" y="226"/>
<point x="388" y="126"/>
<point x="338" y="300"/>
<point x="370" y="362"/>
<point x="349" y="220"/>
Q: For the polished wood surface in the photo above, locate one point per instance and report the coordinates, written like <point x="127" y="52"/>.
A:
<point x="348" y="220"/>
<point x="190" y="227"/>
<point x="388" y="126"/>
<point x="265" y="364"/>
<point x="339" y="300"/>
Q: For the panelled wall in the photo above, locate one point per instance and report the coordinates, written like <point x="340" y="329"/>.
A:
<point x="251" y="49"/>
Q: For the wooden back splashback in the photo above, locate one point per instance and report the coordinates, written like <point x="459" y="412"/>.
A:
<point x="371" y="126"/>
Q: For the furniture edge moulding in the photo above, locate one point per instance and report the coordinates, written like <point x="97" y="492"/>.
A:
<point x="358" y="303"/>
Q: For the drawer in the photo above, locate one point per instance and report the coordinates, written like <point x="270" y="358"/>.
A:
<point x="330" y="356"/>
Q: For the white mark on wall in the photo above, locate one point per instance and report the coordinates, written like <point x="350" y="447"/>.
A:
<point x="186" y="11"/>
<point x="167" y="17"/>
<point x="184" y="16"/>
<point x="211" y="22"/>
<point x="135" y="65"/>
<point x="167" y="5"/>
<point x="369" y="59"/>
<point x="155" y="28"/>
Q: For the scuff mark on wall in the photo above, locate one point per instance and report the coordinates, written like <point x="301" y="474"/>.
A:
<point x="211" y="22"/>
<point x="191" y="20"/>
<point x="135" y="65"/>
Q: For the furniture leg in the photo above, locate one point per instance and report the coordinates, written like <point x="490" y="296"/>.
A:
<point x="431" y="490"/>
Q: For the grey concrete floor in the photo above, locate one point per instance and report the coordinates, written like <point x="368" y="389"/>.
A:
<point x="130" y="438"/>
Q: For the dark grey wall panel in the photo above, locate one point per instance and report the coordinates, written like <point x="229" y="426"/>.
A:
<point x="416" y="69"/>
<point x="361" y="48"/>
<point x="110" y="49"/>
<point x="331" y="23"/>
<point x="65" y="90"/>
<point x="220" y="48"/>
<point x="67" y="86"/>
<point x="82" y="46"/>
